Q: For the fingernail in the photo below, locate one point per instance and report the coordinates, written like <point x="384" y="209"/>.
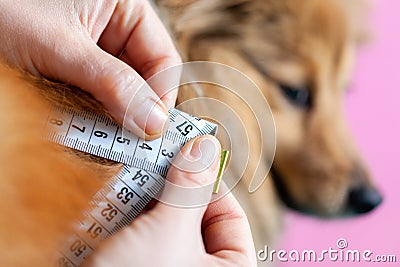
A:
<point x="151" y="116"/>
<point x="169" y="101"/>
<point x="204" y="150"/>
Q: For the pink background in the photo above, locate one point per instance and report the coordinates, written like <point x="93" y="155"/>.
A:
<point x="373" y="108"/>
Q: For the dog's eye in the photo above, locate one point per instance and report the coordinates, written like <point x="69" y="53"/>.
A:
<point x="299" y="97"/>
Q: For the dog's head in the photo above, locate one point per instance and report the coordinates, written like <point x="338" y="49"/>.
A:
<point x="308" y="58"/>
<point x="301" y="54"/>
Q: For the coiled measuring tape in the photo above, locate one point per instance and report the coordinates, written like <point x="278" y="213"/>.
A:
<point x="146" y="164"/>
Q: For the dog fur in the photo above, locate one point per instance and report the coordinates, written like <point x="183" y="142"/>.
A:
<point x="286" y="47"/>
<point x="305" y="46"/>
<point x="44" y="188"/>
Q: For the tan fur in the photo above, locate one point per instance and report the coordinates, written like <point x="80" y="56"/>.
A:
<point x="308" y="44"/>
<point x="43" y="187"/>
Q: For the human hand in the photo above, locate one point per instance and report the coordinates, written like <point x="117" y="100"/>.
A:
<point x="96" y="45"/>
<point x="217" y="234"/>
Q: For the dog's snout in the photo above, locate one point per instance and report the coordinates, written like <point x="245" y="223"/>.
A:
<point x="364" y="199"/>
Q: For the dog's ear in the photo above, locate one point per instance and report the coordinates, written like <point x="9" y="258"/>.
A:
<point x="43" y="189"/>
<point x="357" y="12"/>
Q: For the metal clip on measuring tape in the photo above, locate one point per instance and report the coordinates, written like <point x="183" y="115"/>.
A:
<point x="142" y="177"/>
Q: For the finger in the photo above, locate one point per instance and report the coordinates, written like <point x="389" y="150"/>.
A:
<point x="115" y="84"/>
<point x="189" y="182"/>
<point x="138" y="37"/>
<point x="227" y="234"/>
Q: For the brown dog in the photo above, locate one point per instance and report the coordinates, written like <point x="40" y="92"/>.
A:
<point x="300" y="54"/>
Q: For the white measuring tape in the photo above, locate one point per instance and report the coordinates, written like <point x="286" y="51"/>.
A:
<point x="142" y="177"/>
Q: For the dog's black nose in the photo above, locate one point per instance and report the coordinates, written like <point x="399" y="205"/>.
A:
<point x="364" y="199"/>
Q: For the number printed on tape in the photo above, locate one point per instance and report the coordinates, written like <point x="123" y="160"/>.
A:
<point x="142" y="177"/>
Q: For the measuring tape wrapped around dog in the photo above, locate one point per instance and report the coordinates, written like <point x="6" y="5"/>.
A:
<point x="146" y="164"/>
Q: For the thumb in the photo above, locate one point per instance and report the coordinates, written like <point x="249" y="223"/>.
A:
<point x="190" y="180"/>
<point x="121" y="90"/>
